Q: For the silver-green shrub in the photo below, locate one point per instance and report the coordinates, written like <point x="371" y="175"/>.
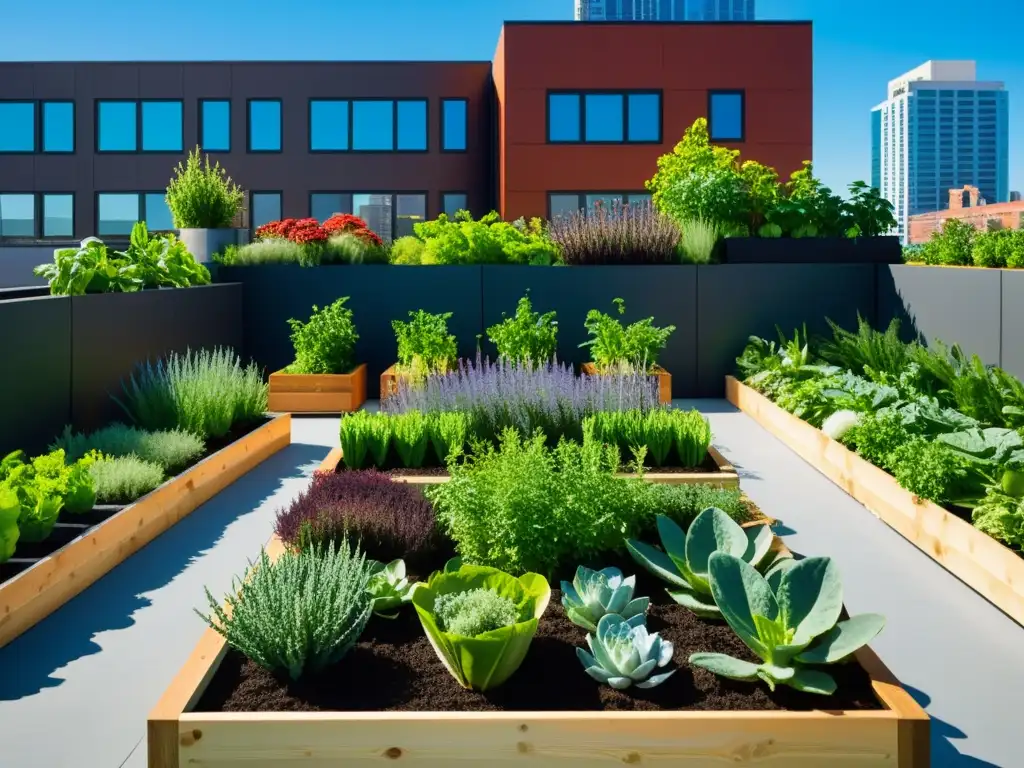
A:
<point x="172" y="449"/>
<point x="300" y="613"/>
<point x="123" y="479"/>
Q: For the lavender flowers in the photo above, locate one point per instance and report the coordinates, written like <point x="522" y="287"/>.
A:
<point x="548" y="397"/>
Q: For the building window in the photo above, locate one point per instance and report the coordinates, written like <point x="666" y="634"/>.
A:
<point x="412" y="126"/>
<point x="264" y="125"/>
<point x="453" y="202"/>
<point x="58" y="215"/>
<point x="58" y="126"/>
<point x="116" y="126"/>
<point x="328" y="125"/>
<point x="565" y="203"/>
<point x="156" y="213"/>
<point x="215" y="125"/>
<point x="161" y="126"/>
<point x="409" y="210"/>
<point x="17" y="126"/>
<point x="266" y="207"/>
<point x="17" y="215"/>
<point x="454" y="125"/>
<point x="726" y="115"/>
<point x="117" y="212"/>
<point x="373" y="126"/>
<point x="604" y="118"/>
<point x="323" y="205"/>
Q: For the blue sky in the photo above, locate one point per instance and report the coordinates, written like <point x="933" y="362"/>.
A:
<point x="859" y="45"/>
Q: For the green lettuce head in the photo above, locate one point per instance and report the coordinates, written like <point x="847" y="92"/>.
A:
<point x="488" y="659"/>
<point x="10" y="510"/>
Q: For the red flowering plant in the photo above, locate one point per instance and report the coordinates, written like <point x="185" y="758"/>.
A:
<point x="346" y="223"/>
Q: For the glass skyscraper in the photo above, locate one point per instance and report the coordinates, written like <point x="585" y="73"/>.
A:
<point x="664" y="10"/>
<point x="940" y="129"/>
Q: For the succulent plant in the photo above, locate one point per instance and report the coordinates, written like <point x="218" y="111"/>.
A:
<point x="622" y="654"/>
<point x="389" y="588"/>
<point x="592" y="594"/>
<point x="789" y="625"/>
<point x="684" y="561"/>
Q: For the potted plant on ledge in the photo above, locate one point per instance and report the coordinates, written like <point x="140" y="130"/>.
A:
<point x="204" y="202"/>
<point x="631" y="349"/>
<point x="424" y="348"/>
<point x="324" y="377"/>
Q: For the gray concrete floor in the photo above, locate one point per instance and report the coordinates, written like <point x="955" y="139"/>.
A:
<point x="75" y="690"/>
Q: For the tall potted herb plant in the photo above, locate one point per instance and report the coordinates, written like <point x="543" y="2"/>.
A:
<point x="204" y="201"/>
<point x="425" y="348"/>
<point x="324" y="377"/>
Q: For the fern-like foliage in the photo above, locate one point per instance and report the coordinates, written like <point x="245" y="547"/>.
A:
<point x="867" y="352"/>
<point x="300" y="613"/>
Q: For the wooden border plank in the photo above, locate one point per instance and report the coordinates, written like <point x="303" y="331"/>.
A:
<point x="35" y="593"/>
<point x="992" y="570"/>
<point x="317" y="393"/>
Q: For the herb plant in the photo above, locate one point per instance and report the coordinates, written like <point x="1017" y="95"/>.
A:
<point x="411" y="438"/>
<point x="326" y="342"/>
<point x="489" y="240"/>
<point x="634" y="347"/>
<point x="658" y="430"/>
<point x="424" y="344"/>
<point x="448" y="432"/>
<point x="481" y="621"/>
<point x="634" y="233"/>
<point x="205" y="392"/>
<point x="171" y="450"/>
<point x="300" y="613"/>
<point x="528" y="338"/>
<point x="201" y="196"/>
<point x="124" y="479"/>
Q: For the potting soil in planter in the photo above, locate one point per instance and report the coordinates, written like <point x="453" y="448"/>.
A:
<point x="393" y="667"/>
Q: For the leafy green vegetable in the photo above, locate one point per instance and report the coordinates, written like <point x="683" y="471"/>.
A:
<point x="790" y="623"/>
<point x="460" y="240"/>
<point x="528" y="338"/>
<point x="424" y="344"/>
<point x="326" y="342"/>
<point x="488" y="659"/>
<point x="474" y="612"/>
<point x="615" y="347"/>
<point x="10" y="511"/>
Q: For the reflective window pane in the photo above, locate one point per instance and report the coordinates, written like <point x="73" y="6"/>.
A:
<point x="17" y="126"/>
<point x="412" y="125"/>
<point x="266" y="207"/>
<point x="604" y="116"/>
<point x="563" y="205"/>
<point x="216" y="125"/>
<point x="726" y="118"/>
<point x="161" y="126"/>
<point x="117" y="214"/>
<point x="563" y="117"/>
<point x="373" y="125"/>
<point x="158" y="215"/>
<point x="17" y="216"/>
<point x="453" y="125"/>
<point x="58" y="126"/>
<point x="265" y="126"/>
<point x="117" y="128"/>
<point x="638" y="199"/>
<point x="58" y="215"/>
<point x="323" y="205"/>
<point x="409" y="210"/>
<point x="644" y="117"/>
<point x="328" y="125"/>
<point x="375" y="210"/>
<point x="452" y="202"/>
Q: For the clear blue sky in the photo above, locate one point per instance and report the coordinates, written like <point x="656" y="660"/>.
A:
<point x="859" y="45"/>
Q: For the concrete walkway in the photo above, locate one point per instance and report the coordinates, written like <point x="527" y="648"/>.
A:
<point x="75" y="690"/>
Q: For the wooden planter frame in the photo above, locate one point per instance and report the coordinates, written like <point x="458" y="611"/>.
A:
<point x="992" y="570"/>
<point x="725" y="477"/>
<point x="317" y="393"/>
<point x="36" y="592"/>
<point x="896" y="736"/>
<point x="664" y="381"/>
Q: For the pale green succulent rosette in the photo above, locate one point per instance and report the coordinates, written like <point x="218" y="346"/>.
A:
<point x="489" y="659"/>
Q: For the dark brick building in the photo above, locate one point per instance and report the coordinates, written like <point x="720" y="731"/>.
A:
<point x="565" y="113"/>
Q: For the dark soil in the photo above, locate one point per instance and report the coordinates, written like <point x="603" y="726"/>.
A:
<point x="417" y="471"/>
<point x="393" y="667"/>
<point x="672" y="467"/>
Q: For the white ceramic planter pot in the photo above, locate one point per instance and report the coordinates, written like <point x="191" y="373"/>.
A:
<point x="203" y="243"/>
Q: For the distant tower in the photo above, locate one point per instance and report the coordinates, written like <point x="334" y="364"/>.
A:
<point x="940" y="129"/>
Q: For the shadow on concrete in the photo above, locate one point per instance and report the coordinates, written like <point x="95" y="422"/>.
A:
<point x="944" y="752"/>
<point x="30" y="661"/>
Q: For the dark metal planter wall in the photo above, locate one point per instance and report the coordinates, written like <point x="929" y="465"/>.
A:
<point x="811" y="250"/>
<point x="1011" y="351"/>
<point x="35" y="382"/>
<point x="666" y="293"/>
<point x="112" y="332"/>
<point x="377" y="295"/>
<point x="736" y="301"/>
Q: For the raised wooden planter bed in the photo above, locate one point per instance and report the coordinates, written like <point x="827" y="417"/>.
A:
<point x="35" y="593"/>
<point x="992" y="570"/>
<point x="664" y="381"/>
<point x="725" y="476"/>
<point x="317" y="393"/>
<point x="894" y="736"/>
<point x="390" y="381"/>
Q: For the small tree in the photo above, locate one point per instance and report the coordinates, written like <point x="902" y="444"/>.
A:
<point x="201" y="196"/>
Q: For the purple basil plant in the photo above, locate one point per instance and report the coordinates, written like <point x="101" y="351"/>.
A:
<point x="549" y="397"/>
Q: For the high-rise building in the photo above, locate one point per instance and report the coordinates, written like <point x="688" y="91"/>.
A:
<point x="938" y="129"/>
<point x="1015" y="197"/>
<point x="664" y="10"/>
